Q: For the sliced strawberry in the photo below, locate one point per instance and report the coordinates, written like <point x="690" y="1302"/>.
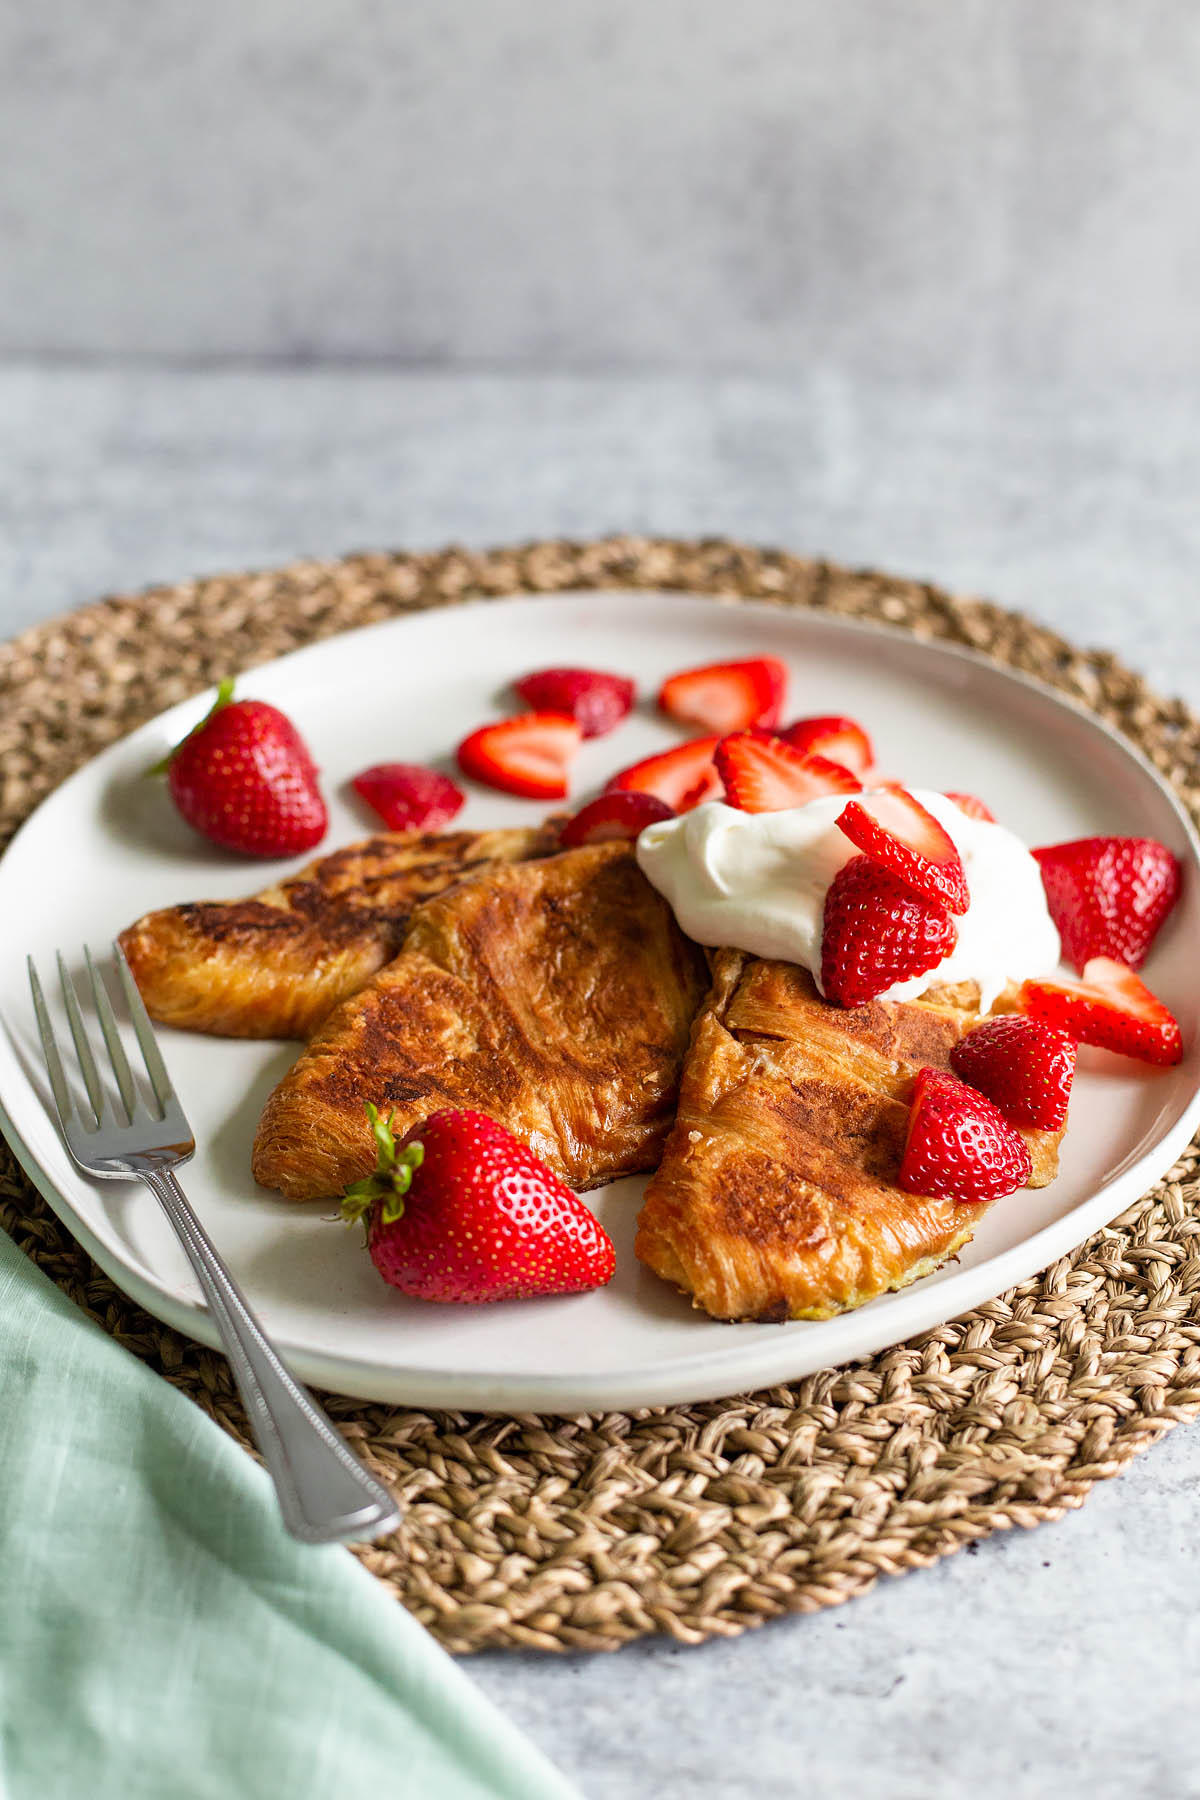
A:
<point x="1108" y="896"/>
<point x="410" y="797"/>
<point x="615" y="815"/>
<point x="974" y="809"/>
<point x="1110" y="1008"/>
<point x="897" y="832"/>
<point x="726" y="697"/>
<point x="684" y="777"/>
<point x="763" y="774"/>
<point x="841" y="740"/>
<point x="527" y="755"/>
<point x="959" y="1146"/>
<point x="599" y="701"/>
<point x="1023" y="1066"/>
<point x="878" y="931"/>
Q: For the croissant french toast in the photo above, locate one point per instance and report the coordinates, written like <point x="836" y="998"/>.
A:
<point x="556" y="996"/>
<point x="776" y="1197"/>
<point x="276" y="964"/>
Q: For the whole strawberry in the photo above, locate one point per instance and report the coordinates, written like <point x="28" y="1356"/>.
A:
<point x="1108" y="896"/>
<point x="245" y="779"/>
<point x="878" y="931"/>
<point x="466" y="1213"/>
<point x="959" y="1145"/>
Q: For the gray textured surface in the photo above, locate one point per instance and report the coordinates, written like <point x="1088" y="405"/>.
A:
<point x="1059" y="1663"/>
<point x="893" y="186"/>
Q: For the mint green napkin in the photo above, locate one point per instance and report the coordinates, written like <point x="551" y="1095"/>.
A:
<point x="161" y="1638"/>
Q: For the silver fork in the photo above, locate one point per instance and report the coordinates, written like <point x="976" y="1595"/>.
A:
<point x="325" y="1494"/>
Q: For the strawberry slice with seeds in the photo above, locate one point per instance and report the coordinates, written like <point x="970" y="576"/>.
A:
<point x="614" y="816"/>
<point x="527" y="755"/>
<point x="1023" y="1066"/>
<point x="1110" y="1008"/>
<point x="1109" y="896"/>
<point x="725" y="697"/>
<point x="598" y="700"/>
<point x="683" y="777"/>
<point x="763" y="774"/>
<point x="973" y="807"/>
<point x="878" y="931"/>
<point x="959" y="1146"/>
<point x="839" y="739"/>
<point x="899" y="834"/>
<point x="409" y="797"/>
<point x="462" y="1212"/>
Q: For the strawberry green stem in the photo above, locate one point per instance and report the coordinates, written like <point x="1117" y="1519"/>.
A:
<point x="224" y="696"/>
<point x="390" y="1180"/>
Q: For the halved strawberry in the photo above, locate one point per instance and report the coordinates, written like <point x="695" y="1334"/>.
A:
<point x="876" y="932"/>
<point x="614" y="816"/>
<point x="899" y="834"/>
<point x="410" y="797"/>
<point x="683" y="777"/>
<point x="1108" y="896"/>
<point x="841" y="740"/>
<point x="763" y="774"/>
<point x="1110" y="1008"/>
<point x="527" y="755"/>
<point x="599" y="701"/>
<point x="726" y="697"/>
<point x="1024" y="1066"/>
<point x="974" y="808"/>
<point x="959" y="1145"/>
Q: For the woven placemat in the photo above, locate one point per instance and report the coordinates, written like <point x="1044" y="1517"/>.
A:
<point x="700" y="1520"/>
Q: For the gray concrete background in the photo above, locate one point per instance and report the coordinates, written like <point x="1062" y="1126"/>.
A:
<point x="884" y="187"/>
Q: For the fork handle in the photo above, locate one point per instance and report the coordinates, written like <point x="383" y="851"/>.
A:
<point x="325" y="1493"/>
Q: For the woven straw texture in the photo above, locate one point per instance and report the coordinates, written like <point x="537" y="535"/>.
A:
<point x="698" y="1521"/>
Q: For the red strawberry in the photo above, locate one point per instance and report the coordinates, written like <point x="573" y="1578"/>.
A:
<point x="527" y="755"/>
<point x="1024" y="1067"/>
<point x="682" y="777"/>
<point x="974" y="809"/>
<point x="877" y="931"/>
<point x="1110" y="1008"/>
<point x="1108" y="895"/>
<point x="841" y="740"/>
<point x="465" y="1212"/>
<point x="726" y="697"/>
<point x="897" y="832"/>
<point x="615" y="815"/>
<point x="598" y="701"/>
<point x="409" y="797"/>
<point x="959" y="1145"/>
<point x="245" y="778"/>
<point x="763" y="774"/>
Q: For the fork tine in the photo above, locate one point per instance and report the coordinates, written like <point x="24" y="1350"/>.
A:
<point x="54" y="1068"/>
<point x="116" y="1050"/>
<point x="156" y="1068"/>
<point x="83" y="1048"/>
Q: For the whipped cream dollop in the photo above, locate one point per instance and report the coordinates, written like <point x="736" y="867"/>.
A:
<point x="757" y="882"/>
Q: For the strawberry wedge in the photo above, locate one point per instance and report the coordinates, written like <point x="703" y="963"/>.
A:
<point x="726" y="697"/>
<point x="763" y="774"/>
<point x="683" y="777"/>
<point x="895" y="831"/>
<point x="841" y="740"/>
<point x="527" y="755"/>
<point x="1110" y="1008"/>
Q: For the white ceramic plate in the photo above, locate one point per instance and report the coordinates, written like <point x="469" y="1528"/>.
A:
<point x="107" y="846"/>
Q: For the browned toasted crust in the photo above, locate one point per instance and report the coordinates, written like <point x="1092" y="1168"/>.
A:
<point x="556" y="996"/>
<point x="777" y="1196"/>
<point x="276" y="964"/>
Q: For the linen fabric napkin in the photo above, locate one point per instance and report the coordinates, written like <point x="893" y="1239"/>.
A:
<point x="161" y="1638"/>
